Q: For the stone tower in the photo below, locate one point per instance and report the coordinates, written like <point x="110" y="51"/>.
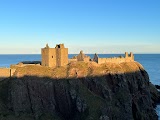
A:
<point x="54" y="57"/>
<point x="126" y="54"/>
<point x="131" y="55"/>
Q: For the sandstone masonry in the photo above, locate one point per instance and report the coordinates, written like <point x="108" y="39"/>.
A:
<point x="6" y="72"/>
<point x="54" y="57"/>
<point x="80" y="57"/>
<point x="127" y="58"/>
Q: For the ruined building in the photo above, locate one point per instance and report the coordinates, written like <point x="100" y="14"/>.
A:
<point x="58" y="56"/>
<point x="126" y="58"/>
<point x="54" y="57"/>
<point x="81" y="57"/>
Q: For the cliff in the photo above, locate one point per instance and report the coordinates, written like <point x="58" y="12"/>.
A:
<point x="79" y="91"/>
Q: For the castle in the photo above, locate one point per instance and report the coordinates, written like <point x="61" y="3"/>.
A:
<point x="58" y="56"/>
<point x="54" y="57"/>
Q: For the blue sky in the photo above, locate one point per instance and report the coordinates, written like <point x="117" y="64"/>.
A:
<point x="101" y="26"/>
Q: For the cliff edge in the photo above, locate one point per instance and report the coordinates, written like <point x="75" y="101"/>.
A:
<point x="79" y="91"/>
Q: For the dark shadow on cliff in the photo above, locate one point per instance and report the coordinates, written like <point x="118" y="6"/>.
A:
<point x="111" y="96"/>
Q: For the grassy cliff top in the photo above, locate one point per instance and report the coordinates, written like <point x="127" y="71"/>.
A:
<point x="78" y="69"/>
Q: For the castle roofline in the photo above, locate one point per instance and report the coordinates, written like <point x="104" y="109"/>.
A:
<point x="60" y="46"/>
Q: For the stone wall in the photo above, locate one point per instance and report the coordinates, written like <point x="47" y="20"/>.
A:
<point x="62" y="56"/>
<point x="127" y="58"/>
<point x="51" y="57"/>
<point x="114" y="60"/>
<point x="12" y="72"/>
<point x="6" y="72"/>
<point x="45" y="54"/>
<point x="80" y="57"/>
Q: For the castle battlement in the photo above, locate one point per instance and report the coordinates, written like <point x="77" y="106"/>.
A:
<point x="126" y="58"/>
<point x="60" y="46"/>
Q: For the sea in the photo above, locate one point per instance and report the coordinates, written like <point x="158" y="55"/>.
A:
<point x="151" y="63"/>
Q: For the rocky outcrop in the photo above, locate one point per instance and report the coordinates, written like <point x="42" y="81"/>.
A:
<point x="157" y="86"/>
<point x="79" y="91"/>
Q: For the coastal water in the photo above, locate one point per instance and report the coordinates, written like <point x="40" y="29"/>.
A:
<point x="151" y="63"/>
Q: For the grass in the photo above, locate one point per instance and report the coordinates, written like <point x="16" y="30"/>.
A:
<point x="80" y="69"/>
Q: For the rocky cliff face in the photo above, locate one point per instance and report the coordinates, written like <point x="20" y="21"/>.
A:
<point x="79" y="91"/>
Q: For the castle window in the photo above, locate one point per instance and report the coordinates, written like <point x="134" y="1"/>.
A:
<point x="52" y="56"/>
<point x="59" y="46"/>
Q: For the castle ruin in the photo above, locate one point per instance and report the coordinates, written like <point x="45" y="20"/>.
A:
<point x="58" y="56"/>
<point x="81" y="57"/>
<point x="126" y="58"/>
<point x="54" y="57"/>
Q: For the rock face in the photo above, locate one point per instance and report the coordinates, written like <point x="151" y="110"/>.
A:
<point x="79" y="91"/>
